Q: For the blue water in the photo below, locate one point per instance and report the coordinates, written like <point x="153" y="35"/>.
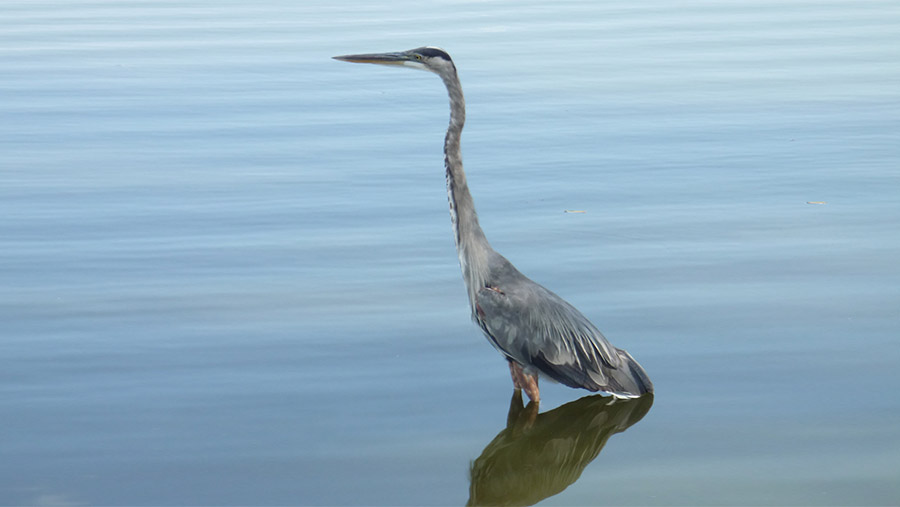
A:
<point x="228" y="277"/>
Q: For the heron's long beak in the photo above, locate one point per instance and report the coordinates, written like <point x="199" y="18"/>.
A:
<point x="379" y="58"/>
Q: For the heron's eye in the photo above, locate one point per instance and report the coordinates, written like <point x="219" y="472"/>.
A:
<point x="418" y="58"/>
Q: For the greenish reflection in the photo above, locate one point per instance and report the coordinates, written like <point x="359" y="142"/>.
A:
<point x="539" y="455"/>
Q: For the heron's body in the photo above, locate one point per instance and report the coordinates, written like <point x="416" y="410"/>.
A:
<point x="537" y="331"/>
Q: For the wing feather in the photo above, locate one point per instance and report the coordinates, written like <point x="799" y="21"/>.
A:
<point x="533" y="326"/>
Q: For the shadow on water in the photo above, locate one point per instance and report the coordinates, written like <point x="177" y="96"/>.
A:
<point x="539" y="455"/>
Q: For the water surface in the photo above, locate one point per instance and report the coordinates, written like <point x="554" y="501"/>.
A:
<point x="228" y="276"/>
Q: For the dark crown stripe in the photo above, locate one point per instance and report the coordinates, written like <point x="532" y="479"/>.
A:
<point x="434" y="53"/>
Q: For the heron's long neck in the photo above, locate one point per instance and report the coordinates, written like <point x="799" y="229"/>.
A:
<point x="471" y="244"/>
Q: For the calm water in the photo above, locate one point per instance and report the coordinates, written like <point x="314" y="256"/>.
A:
<point x="228" y="277"/>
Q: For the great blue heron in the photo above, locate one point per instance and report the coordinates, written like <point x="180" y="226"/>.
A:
<point x="536" y="331"/>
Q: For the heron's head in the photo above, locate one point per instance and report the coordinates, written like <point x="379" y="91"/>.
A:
<point x="428" y="58"/>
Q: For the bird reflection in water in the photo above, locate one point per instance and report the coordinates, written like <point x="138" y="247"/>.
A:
<point x="539" y="455"/>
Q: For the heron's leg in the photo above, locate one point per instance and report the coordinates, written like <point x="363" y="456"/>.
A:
<point x="515" y="371"/>
<point x="531" y="387"/>
<point x="522" y="380"/>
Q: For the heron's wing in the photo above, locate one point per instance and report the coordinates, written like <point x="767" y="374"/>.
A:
<point x="535" y="327"/>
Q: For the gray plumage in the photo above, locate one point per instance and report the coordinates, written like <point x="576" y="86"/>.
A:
<point x="536" y="330"/>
